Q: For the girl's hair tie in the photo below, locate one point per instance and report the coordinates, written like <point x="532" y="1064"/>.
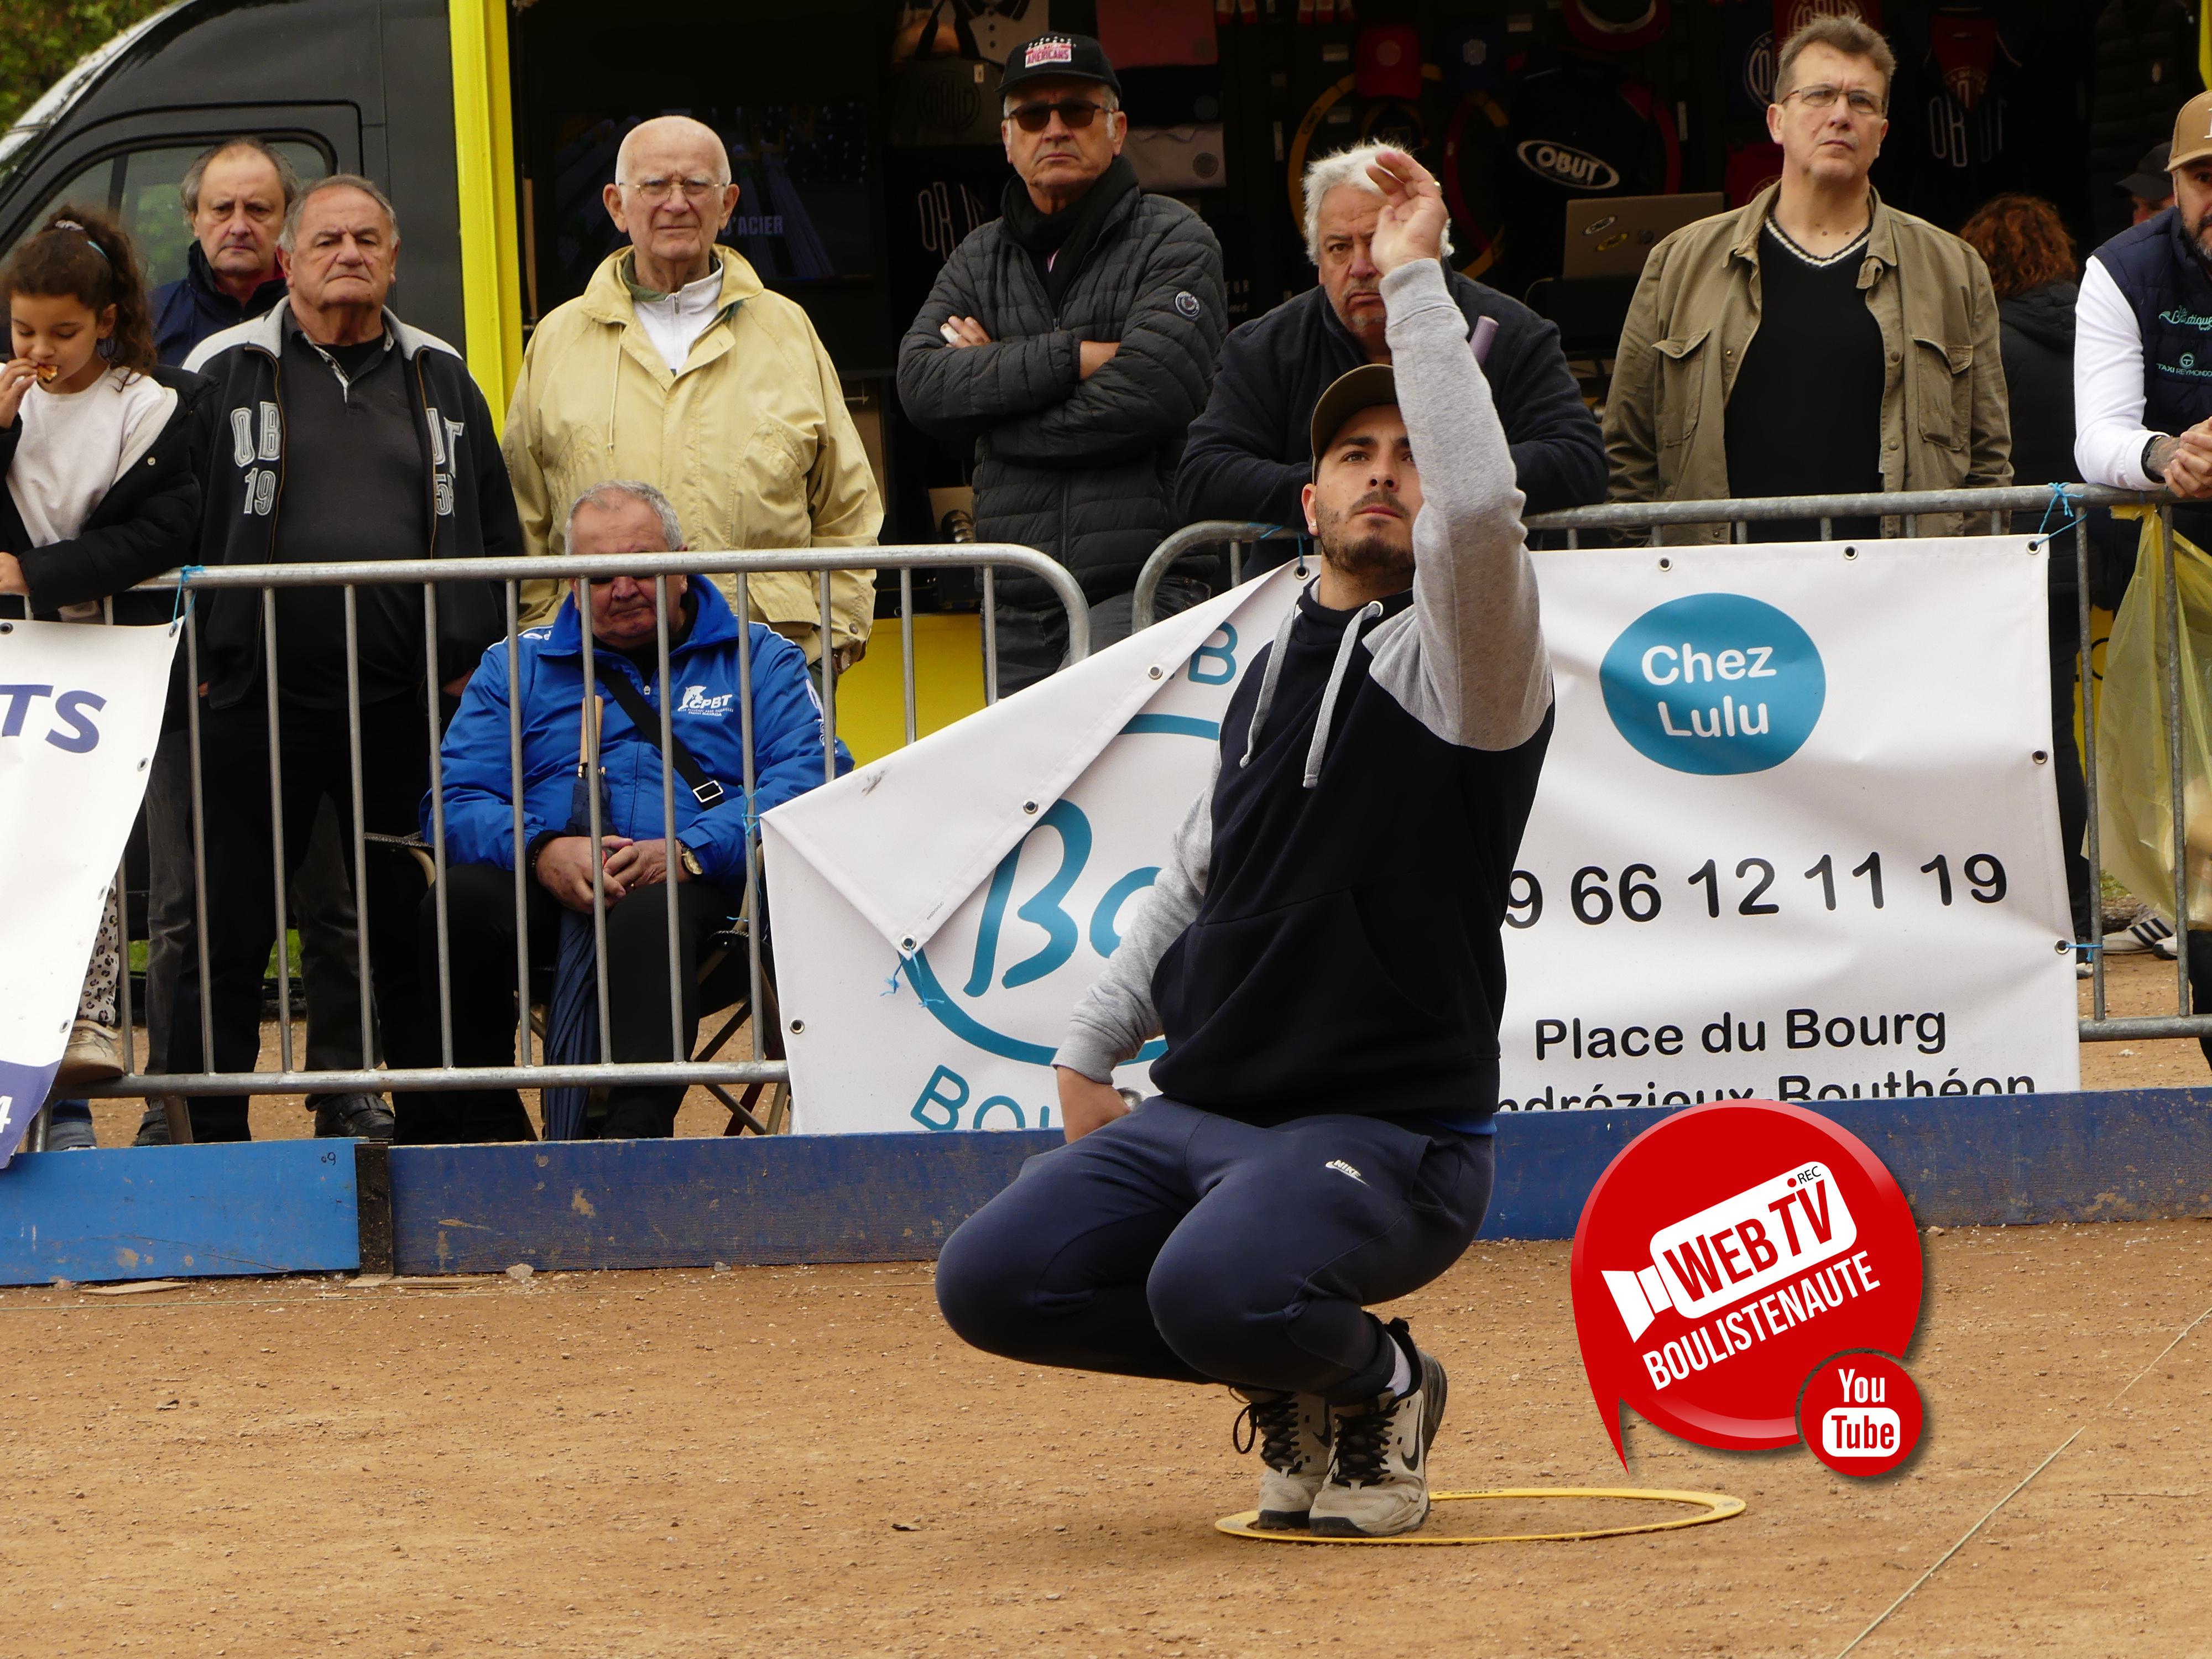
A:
<point x="71" y="224"/>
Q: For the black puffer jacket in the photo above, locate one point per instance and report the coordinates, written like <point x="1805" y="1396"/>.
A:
<point x="2146" y="70"/>
<point x="1250" y="453"/>
<point x="1082" y="470"/>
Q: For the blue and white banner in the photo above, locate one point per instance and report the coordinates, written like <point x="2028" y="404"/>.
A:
<point x="1796" y="838"/>
<point x="80" y="712"/>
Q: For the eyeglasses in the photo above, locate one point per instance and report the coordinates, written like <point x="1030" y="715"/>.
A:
<point x="659" y="190"/>
<point x="1075" y="112"/>
<point x="1861" y="103"/>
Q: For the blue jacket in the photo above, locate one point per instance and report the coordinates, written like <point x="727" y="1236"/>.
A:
<point x="188" y="310"/>
<point x="702" y="673"/>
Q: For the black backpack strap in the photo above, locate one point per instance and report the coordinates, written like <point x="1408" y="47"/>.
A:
<point x="704" y="789"/>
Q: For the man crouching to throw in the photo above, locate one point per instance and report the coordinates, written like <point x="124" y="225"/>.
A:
<point x="1322" y="954"/>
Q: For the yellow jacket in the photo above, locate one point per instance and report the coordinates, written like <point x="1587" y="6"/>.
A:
<point x="752" y="442"/>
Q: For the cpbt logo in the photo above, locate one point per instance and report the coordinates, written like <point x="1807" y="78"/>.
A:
<point x="1715" y="684"/>
<point x="695" y="701"/>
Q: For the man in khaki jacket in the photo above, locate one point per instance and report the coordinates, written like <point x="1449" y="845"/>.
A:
<point x="1815" y="341"/>
<point x="678" y="367"/>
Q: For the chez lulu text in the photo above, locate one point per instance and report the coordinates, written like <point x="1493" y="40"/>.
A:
<point x="1916" y="1037"/>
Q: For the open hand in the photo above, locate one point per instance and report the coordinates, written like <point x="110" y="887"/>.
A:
<point x="1411" y="225"/>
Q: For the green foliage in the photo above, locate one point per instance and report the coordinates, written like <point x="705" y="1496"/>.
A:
<point x="41" y="39"/>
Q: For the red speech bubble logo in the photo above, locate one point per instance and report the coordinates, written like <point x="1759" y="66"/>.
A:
<point x="1726" y="1252"/>
<point x="1861" y="1413"/>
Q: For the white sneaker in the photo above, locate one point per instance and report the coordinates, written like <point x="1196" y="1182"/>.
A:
<point x="2146" y="933"/>
<point x="1293" y="1432"/>
<point x="1378" y="1482"/>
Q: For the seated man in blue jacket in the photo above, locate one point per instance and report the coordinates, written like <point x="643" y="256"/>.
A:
<point x="706" y="862"/>
<point x="1246" y="457"/>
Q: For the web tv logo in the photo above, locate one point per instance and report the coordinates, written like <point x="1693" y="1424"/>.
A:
<point x="1715" y="684"/>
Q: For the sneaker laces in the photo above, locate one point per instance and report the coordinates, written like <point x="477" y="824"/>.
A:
<point x="1363" y="1446"/>
<point x="1273" y="1425"/>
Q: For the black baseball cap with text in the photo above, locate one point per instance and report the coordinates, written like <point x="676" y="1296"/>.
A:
<point x="1061" y="57"/>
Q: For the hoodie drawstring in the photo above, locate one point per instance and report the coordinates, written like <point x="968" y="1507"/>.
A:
<point x="1274" y="671"/>
<point x="1319" y="748"/>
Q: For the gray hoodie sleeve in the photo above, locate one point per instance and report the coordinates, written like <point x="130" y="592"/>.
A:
<point x="1467" y="659"/>
<point x="1116" y="1017"/>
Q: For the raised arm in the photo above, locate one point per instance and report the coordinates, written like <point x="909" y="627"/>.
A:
<point x="1468" y="659"/>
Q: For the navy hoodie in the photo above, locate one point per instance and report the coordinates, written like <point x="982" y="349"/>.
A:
<point x="1325" y="937"/>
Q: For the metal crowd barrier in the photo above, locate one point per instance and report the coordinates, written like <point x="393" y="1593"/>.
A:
<point x="173" y="1088"/>
<point x="1902" y="510"/>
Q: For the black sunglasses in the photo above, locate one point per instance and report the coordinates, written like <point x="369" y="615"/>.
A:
<point x="1075" y="112"/>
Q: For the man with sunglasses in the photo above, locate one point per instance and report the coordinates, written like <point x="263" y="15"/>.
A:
<point x="1815" y="341"/>
<point x="1070" y="342"/>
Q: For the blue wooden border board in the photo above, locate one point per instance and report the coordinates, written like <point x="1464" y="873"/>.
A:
<point x="1962" y="1160"/>
<point x="572" y="1204"/>
<point x="271" y="1206"/>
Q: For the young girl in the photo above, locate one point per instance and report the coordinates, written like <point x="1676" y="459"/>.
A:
<point x="102" y="493"/>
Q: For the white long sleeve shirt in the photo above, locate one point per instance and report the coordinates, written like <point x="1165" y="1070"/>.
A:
<point x="2109" y="433"/>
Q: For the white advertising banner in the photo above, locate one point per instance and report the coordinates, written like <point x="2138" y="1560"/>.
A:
<point x="80" y="712"/>
<point x="1796" y="838"/>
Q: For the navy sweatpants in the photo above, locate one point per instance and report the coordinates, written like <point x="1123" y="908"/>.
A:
<point x="1180" y="1245"/>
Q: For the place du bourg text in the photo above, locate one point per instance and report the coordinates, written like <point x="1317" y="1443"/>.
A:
<point x="1917" y="1038"/>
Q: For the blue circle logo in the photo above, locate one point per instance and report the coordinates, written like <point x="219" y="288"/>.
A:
<point x="1715" y="683"/>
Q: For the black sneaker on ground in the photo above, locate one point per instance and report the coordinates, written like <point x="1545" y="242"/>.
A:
<point x="355" y="1117"/>
<point x="153" y="1127"/>
<point x="1378" y="1483"/>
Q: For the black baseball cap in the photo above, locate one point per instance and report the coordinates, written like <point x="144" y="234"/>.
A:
<point x="2149" y="180"/>
<point x="1371" y="385"/>
<point x="1066" y="56"/>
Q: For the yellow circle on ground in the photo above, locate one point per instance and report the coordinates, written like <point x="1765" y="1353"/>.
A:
<point x="1716" y="1506"/>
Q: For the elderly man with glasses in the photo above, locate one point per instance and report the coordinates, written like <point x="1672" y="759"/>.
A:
<point x="725" y="682"/>
<point x="1072" y="341"/>
<point x="678" y="367"/>
<point x="1815" y="341"/>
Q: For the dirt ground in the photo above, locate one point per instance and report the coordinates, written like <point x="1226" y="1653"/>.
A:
<point x="796" y="1461"/>
<point x="2140" y="984"/>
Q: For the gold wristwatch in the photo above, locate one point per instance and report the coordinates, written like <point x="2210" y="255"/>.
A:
<point x="690" y="860"/>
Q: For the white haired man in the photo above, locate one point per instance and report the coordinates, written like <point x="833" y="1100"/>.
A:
<point x="678" y="367"/>
<point x="1246" y="456"/>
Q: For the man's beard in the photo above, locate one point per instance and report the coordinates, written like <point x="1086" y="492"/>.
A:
<point x="2200" y="241"/>
<point x="1369" y="554"/>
